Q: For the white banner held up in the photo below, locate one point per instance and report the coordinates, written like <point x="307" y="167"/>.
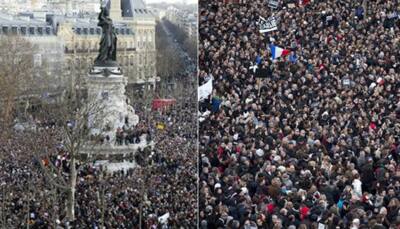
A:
<point x="273" y="4"/>
<point x="205" y="90"/>
<point x="268" y="25"/>
<point x="164" y="218"/>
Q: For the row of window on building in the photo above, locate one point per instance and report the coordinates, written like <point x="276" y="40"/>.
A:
<point x="97" y="31"/>
<point x="143" y="11"/>
<point x="48" y="30"/>
<point x="85" y="45"/>
<point x="123" y="60"/>
<point x="26" y="30"/>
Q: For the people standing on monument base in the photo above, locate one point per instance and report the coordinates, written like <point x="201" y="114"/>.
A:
<point x="312" y="141"/>
<point x="132" y="135"/>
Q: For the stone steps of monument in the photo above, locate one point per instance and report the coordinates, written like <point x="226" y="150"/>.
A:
<point x="113" y="149"/>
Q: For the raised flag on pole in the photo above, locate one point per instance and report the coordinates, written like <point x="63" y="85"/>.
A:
<point x="205" y="90"/>
<point x="278" y="51"/>
<point x="268" y="25"/>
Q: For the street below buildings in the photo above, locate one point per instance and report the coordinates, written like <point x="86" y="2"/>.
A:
<point x="190" y="64"/>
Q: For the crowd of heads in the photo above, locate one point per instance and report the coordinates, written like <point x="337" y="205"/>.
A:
<point x="163" y="183"/>
<point x="314" y="141"/>
<point x="20" y="176"/>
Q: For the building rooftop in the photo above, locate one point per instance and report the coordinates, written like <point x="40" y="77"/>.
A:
<point x="135" y="8"/>
<point x="26" y="25"/>
<point x="46" y="22"/>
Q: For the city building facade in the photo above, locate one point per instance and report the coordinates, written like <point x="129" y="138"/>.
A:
<point x="76" y="38"/>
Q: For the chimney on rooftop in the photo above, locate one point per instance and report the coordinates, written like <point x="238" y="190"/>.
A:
<point x="115" y="10"/>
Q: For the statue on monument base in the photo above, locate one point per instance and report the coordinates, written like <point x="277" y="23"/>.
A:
<point x="109" y="128"/>
<point x="108" y="44"/>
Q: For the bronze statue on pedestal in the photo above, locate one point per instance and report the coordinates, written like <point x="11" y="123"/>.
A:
<point x="108" y="43"/>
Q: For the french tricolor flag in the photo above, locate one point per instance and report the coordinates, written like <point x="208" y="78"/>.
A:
<point x="278" y="52"/>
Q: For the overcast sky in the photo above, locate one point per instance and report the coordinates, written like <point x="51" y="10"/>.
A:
<point x="172" y="1"/>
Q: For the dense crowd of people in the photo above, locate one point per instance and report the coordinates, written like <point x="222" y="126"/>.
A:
<point x="20" y="176"/>
<point x="313" y="141"/>
<point x="160" y="192"/>
<point x="165" y="183"/>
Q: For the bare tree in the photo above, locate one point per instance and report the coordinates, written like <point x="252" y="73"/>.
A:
<point x="19" y="80"/>
<point x="169" y="62"/>
<point x="71" y="116"/>
<point x="188" y="43"/>
<point x="24" y="77"/>
<point x="16" y="70"/>
<point x="178" y="32"/>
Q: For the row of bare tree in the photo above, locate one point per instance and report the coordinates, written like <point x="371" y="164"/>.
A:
<point x="20" y="81"/>
<point x="189" y="43"/>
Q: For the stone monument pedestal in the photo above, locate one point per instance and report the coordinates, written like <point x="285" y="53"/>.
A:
<point x="106" y="89"/>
